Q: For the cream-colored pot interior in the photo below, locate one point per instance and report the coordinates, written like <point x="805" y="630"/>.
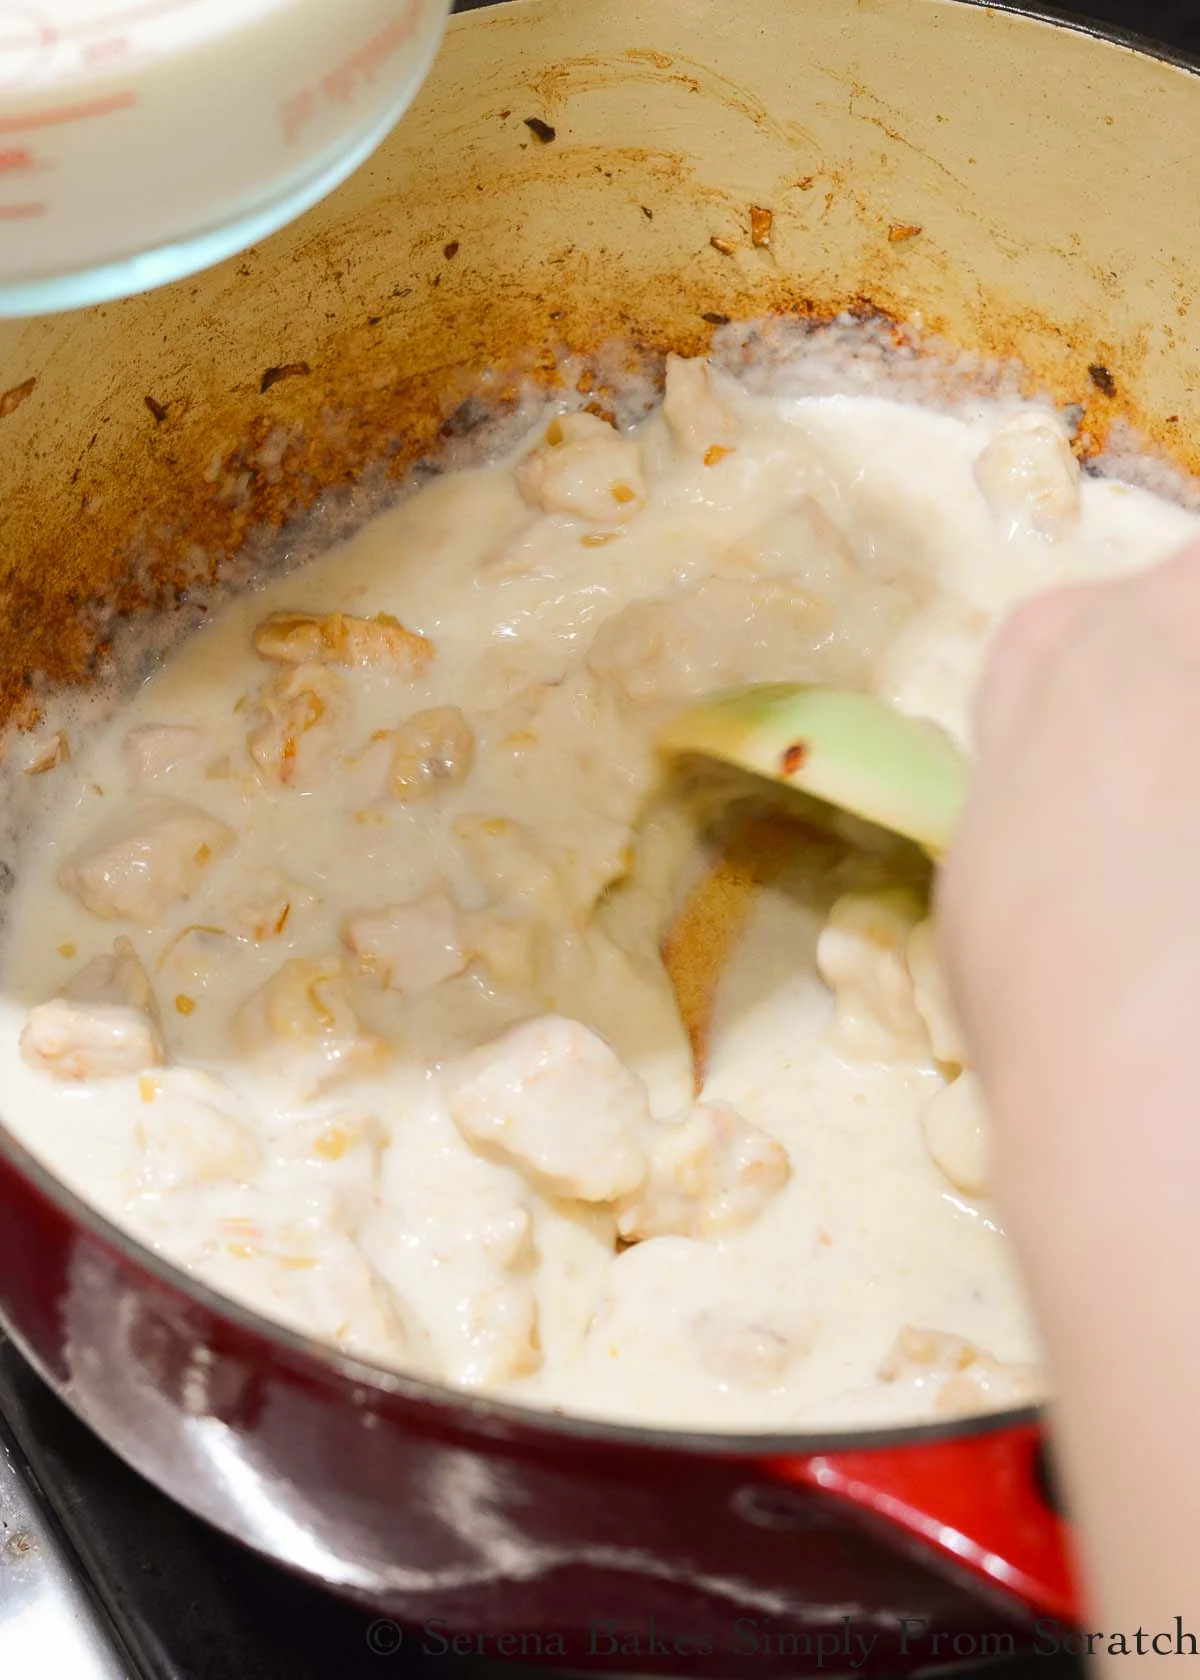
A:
<point x="1017" y="186"/>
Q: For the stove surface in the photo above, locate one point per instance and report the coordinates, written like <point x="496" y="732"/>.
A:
<point x="102" y="1578"/>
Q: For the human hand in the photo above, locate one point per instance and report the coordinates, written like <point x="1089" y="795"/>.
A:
<point x="1070" y="915"/>
<point x="1070" y="902"/>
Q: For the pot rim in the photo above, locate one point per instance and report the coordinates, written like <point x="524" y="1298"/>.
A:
<point x="488" y="1412"/>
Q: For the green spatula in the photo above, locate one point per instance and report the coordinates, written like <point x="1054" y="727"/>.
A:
<point x="850" y="750"/>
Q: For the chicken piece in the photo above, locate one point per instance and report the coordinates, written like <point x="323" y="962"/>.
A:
<point x="435" y="749"/>
<point x="188" y="1132"/>
<point x="353" y="1307"/>
<point x="293" y="732"/>
<point x="334" y="1158"/>
<point x="104" y="1024"/>
<point x="587" y="469"/>
<point x="699" y="419"/>
<point x="862" y="957"/>
<point x="271" y="909"/>
<point x="710" y="1172"/>
<point x="671" y="1305"/>
<point x="409" y="947"/>
<point x="746" y="1355"/>
<point x="931" y="668"/>
<point x="550" y="1097"/>
<point x="1029" y="478"/>
<point x="954" y="1124"/>
<point x="158" y="748"/>
<point x="510" y="865"/>
<point x="302" y="1027"/>
<point x="455" y="1238"/>
<point x="965" y="1379"/>
<point x="381" y="642"/>
<point x="709" y="636"/>
<point x="850" y="618"/>
<point x="143" y="865"/>
<point x="932" y="996"/>
<point x="507" y="951"/>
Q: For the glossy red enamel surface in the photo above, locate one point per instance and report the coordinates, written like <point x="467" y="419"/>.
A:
<point x="978" y="1504"/>
<point x="619" y="1552"/>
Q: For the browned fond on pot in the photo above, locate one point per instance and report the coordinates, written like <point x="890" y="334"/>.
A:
<point x="629" y="168"/>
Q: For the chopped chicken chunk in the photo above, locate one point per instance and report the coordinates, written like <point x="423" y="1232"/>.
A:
<point x="335" y="1156"/>
<point x="435" y="749"/>
<point x="932" y="996"/>
<point x="190" y="1132"/>
<point x="711" y="635"/>
<point x="1029" y="478"/>
<point x="409" y="947"/>
<point x="103" y="1025"/>
<point x="672" y="1299"/>
<point x="506" y="949"/>
<point x="143" y="865"/>
<point x="303" y="1027"/>
<point x="966" y="1379"/>
<point x="293" y="729"/>
<point x="457" y="1242"/>
<point x="158" y="748"/>
<point x="339" y="639"/>
<point x="862" y="957"/>
<point x="355" y="1308"/>
<point x="954" y="1123"/>
<point x="271" y="909"/>
<point x="551" y="1097"/>
<point x="710" y="1173"/>
<point x="753" y="1354"/>
<point x="700" y="422"/>
<point x="585" y="468"/>
<point x="931" y="668"/>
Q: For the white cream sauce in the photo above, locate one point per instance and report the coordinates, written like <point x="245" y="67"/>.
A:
<point x="352" y="1153"/>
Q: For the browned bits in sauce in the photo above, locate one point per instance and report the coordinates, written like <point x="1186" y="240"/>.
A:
<point x="795" y="758"/>
<point x="807" y="184"/>
<point x="762" y="224"/>
<point x="715" y="318"/>
<point x="598" y="539"/>
<point x="157" y="409"/>
<point x="726" y="246"/>
<point x="67" y="951"/>
<point x="451" y="251"/>
<point x="623" y="494"/>
<point x="1102" y="379"/>
<point x="11" y="401"/>
<point x="900" y="231"/>
<point x="554" y="433"/>
<point x="184" y="1004"/>
<point x="715" y="454"/>
<point x="541" y="130"/>
<point x="289" y="370"/>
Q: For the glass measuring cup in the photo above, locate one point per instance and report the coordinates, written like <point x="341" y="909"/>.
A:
<point x="144" y="140"/>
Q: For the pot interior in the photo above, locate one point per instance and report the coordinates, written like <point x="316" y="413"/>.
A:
<point x="556" y="193"/>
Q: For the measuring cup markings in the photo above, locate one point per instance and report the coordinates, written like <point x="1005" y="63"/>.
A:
<point x="83" y="110"/>
<point x="26" y="39"/>
<point x="343" y="84"/>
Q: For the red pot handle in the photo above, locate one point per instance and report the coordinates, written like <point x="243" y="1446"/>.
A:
<point x="980" y="1502"/>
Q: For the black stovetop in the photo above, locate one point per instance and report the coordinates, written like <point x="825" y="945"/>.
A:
<point x="180" y="1602"/>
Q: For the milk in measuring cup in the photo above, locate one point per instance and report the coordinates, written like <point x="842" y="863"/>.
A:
<point x="142" y="140"/>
